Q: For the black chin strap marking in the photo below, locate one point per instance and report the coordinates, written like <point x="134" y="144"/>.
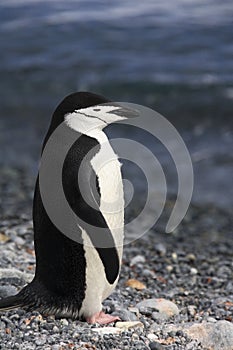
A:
<point x="91" y="116"/>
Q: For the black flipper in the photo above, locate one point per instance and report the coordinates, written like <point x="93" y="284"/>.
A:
<point x="89" y="217"/>
<point x="11" y="302"/>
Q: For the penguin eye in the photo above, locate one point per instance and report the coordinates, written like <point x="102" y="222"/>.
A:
<point x="96" y="109"/>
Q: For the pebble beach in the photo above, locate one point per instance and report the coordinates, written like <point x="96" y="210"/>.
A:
<point x="175" y="290"/>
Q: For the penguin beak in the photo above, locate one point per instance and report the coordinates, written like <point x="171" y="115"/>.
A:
<point x="125" y="112"/>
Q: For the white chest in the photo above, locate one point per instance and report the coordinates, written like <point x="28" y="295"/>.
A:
<point x="108" y="169"/>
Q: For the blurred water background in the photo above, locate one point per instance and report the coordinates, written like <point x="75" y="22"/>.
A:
<point x="173" y="56"/>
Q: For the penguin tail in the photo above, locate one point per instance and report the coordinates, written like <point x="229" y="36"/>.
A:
<point x="11" y="302"/>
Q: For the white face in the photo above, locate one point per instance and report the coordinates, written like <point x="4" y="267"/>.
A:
<point x="96" y="117"/>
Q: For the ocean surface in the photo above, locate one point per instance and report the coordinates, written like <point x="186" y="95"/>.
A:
<point x="173" y="56"/>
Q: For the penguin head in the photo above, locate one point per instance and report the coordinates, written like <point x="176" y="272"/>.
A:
<point x="97" y="115"/>
<point x="85" y="111"/>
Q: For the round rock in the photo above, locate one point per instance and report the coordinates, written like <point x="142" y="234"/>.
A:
<point x="162" y="309"/>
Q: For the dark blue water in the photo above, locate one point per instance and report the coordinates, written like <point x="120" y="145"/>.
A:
<point x="174" y="56"/>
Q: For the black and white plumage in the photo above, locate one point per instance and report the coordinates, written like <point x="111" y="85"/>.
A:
<point x="73" y="277"/>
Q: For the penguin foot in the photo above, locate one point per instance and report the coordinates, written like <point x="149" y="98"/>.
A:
<point x="102" y="318"/>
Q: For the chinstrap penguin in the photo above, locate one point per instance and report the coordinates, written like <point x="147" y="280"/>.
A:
<point x="74" y="276"/>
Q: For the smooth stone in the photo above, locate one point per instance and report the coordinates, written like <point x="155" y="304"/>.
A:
<point x="174" y="256"/>
<point x="152" y="337"/>
<point x="55" y="347"/>
<point x="129" y="325"/>
<point x="23" y="230"/>
<point x="14" y="273"/>
<point x="211" y="335"/>
<point x="156" y="346"/>
<point x="125" y="315"/>
<point x="214" y="336"/>
<point x="137" y="259"/>
<point x="64" y="322"/>
<point x="107" y="330"/>
<point x="164" y="308"/>
<point x="169" y="268"/>
<point x="19" y="240"/>
<point x="160" y="248"/>
<point x="193" y="271"/>
<point x="135" y="284"/>
<point x="55" y="329"/>
<point x="148" y="273"/>
<point x="191" y="257"/>
<point x="6" y="291"/>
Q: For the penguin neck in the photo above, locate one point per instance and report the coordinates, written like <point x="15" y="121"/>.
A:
<point x="99" y="135"/>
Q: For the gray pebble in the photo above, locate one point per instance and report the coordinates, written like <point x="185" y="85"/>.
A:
<point x="137" y="259"/>
<point x="164" y="309"/>
<point x="6" y="291"/>
<point x="2" y="325"/>
<point x="156" y="346"/>
<point x="160" y="248"/>
<point x="125" y="315"/>
<point x="56" y="329"/>
<point x="64" y="322"/>
<point x="18" y="240"/>
<point x="148" y="273"/>
<point x="40" y="341"/>
<point x="55" y="347"/>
